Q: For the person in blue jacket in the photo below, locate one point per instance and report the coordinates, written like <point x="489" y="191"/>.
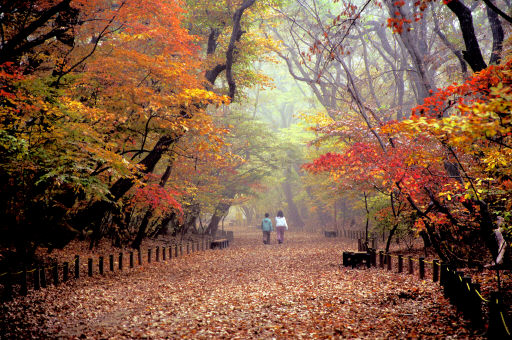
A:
<point x="266" y="227"/>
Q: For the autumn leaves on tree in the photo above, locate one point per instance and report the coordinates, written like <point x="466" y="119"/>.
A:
<point x="449" y="162"/>
<point x="104" y="109"/>
<point x="130" y="118"/>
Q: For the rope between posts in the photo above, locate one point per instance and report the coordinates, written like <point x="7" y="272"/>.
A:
<point x="18" y="273"/>
<point x="481" y="297"/>
<point x="504" y="323"/>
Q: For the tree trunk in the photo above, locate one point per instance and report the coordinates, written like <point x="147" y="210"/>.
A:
<point x="497" y="35"/>
<point x="425" y="83"/>
<point x="367" y="218"/>
<point x="235" y="36"/>
<point x="292" y="213"/>
<point x="142" y="231"/>
<point x="472" y="55"/>
<point x="220" y="211"/>
<point x="249" y="214"/>
<point x="390" y="236"/>
<point x="95" y="214"/>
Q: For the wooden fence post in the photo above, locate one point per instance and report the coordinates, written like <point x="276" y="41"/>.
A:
<point x="37" y="279"/>
<point x="139" y="256"/>
<point x="410" y="265"/>
<point x="466" y="296"/>
<point x="476" y="305"/>
<point x="131" y="259"/>
<point x="181" y="249"/>
<point x="435" y="270"/>
<point x="55" y="274"/>
<point x="381" y="259"/>
<point x="188" y="250"/>
<point x="388" y="259"/>
<point x="111" y="262"/>
<point x="100" y="265"/>
<point x="120" y="261"/>
<point x="170" y="251"/>
<point x="442" y="274"/>
<point x="446" y="278"/>
<point x="77" y="266"/>
<point x="149" y="255"/>
<point x="164" y="254"/>
<point x="157" y="254"/>
<point x="43" y="277"/>
<point x="458" y="292"/>
<point x="89" y="267"/>
<point x="497" y="324"/>
<point x="176" y="250"/>
<point x="400" y="263"/>
<point x="422" y="268"/>
<point x="373" y="257"/>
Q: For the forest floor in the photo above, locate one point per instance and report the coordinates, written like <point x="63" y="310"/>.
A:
<point x="294" y="290"/>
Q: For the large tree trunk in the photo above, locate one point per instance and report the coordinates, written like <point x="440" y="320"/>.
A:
<point x="390" y="237"/>
<point x="142" y="231"/>
<point x="220" y="211"/>
<point x="235" y="36"/>
<point x="472" y="54"/>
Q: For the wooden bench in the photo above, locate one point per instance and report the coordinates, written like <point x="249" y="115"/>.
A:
<point x="331" y="233"/>
<point x="220" y="243"/>
<point x="354" y="259"/>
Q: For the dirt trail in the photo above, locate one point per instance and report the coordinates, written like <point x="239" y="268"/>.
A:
<point x="250" y="290"/>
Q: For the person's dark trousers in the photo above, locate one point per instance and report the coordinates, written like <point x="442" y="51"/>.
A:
<point x="266" y="237"/>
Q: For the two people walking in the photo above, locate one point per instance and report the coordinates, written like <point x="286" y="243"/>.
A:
<point x="267" y="227"/>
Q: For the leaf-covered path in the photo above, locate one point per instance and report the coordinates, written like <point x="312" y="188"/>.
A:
<point x="294" y="290"/>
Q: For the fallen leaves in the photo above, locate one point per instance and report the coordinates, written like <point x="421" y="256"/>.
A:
<point x="294" y="290"/>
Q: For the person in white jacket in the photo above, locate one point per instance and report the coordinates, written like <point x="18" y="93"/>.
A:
<point x="281" y="226"/>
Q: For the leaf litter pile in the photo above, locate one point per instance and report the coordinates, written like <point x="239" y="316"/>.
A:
<point x="294" y="290"/>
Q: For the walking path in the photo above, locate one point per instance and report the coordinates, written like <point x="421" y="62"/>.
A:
<point x="250" y="290"/>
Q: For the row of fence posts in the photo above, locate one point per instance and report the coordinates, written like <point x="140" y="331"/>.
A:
<point x="62" y="273"/>
<point x="354" y="234"/>
<point x="457" y="287"/>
